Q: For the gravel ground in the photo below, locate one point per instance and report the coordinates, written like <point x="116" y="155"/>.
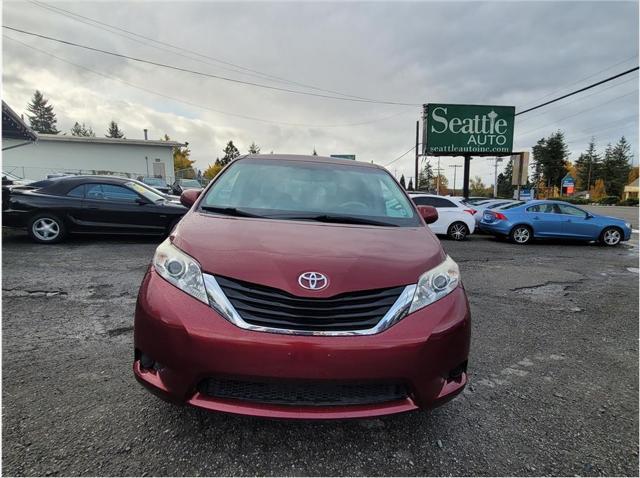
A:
<point x="553" y="369"/>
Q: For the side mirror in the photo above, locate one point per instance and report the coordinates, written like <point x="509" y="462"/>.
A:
<point x="428" y="213"/>
<point x="188" y="197"/>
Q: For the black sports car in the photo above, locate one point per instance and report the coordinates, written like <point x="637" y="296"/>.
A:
<point x="52" y="208"/>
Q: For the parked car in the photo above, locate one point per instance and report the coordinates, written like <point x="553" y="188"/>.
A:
<point x="455" y="218"/>
<point x="522" y="222"/>
<point x="9" y="179"/>
<point x="158" y="184"/>
<point x="181" y="185"/>
<point x="51" y="209"/>
<point x="482" y="206"/>
<point x="302" y="287"/>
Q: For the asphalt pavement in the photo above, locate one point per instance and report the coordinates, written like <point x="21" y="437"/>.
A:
<point x="553" y="376"/>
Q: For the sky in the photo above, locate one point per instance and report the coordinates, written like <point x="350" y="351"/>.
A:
<point x="500" y="53"/>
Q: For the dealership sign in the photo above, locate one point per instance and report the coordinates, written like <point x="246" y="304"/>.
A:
<point x="468" y="129"/>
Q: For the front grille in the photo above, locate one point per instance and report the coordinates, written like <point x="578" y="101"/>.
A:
<point x="269" y="307"/>
<point x="303" y="393"/>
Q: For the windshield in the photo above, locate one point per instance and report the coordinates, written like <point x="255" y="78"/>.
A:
<point x="190" y="183"/>
<point x="311" y="190"/>
<point x="145" y="191"/>
<point x="154" y="181"/>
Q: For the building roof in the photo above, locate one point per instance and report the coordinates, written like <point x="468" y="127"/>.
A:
<point x="633" y="185"/>
<point x="14" y="127"/>
<point x="89" y="139"/>
<point x="303" y="157"/>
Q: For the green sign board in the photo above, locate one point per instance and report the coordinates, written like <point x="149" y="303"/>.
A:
<point x="344" y="156"/>
<point x="468" y="129"/>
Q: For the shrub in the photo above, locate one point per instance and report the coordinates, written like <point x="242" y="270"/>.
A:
<point x="629" y="202"/>
<point x="609" y="200"/>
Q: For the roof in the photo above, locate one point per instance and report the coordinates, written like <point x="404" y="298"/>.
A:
<point x="14" y="127"/>
<point x="316" y="159"/>
<point x="99" y="140"/>
<point x="633" y="184"/>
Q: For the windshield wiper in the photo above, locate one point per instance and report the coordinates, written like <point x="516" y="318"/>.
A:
<point x="338" y="219"/>
<point x="230" y="211"/>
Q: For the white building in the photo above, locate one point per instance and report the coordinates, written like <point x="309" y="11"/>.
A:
<point x="83" y="155"/>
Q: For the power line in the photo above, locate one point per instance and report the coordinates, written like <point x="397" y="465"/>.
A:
<point x="157" y="93"/>
<point x="580" y="112"/>
<point x="127" y="34"/>
<point x="204" y="74"/>
<point x="399" y="157"/>
<point x="582" y="79"/>
<point x="579" y="99"/>
<point x="593" y="85"/>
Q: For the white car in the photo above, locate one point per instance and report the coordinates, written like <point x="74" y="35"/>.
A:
<point x="455" y="219"/>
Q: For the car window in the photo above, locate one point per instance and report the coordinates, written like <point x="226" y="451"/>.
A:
<point x="110" y="192"/>
<point x="544" y="208"/>
<point x="422" y="201"/>
<point x="570" y="210"/>
<point x="510" y="206"/>
<point x="77" y="192"/>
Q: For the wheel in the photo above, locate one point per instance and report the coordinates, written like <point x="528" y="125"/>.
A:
<point x="458" y="231"/>
<point x="46" y="228"/>
<point x="611" y="236"/>
<point x="521" y="234"/>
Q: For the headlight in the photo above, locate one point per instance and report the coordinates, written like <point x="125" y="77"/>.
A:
<point x="180" y="270"/>
<point x="628" y="224"/>
<point x="433" y="285"/>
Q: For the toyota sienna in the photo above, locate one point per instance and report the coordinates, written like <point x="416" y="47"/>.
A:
<point x="302" y="287"/>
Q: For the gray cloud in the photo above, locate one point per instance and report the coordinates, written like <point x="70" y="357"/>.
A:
<point x="496" y="52"/>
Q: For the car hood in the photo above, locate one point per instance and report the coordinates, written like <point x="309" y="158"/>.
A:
<point x="275" y="252"/>
<point x="611" y="219"/>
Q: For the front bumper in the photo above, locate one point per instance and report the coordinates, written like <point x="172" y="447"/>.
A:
<point x="193" y="343"/>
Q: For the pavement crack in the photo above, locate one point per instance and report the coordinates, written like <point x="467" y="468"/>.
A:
<point x="119" y="331"/>
<point x="16" y="292"/>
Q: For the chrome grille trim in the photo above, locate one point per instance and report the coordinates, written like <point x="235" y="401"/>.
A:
<point x="223" y="306"/>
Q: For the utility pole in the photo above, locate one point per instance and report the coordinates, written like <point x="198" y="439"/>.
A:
<point x="455" y="170"/>
<point x="415" y="186"/>
<point x="465" y="180"/>
<point x="495" y="176"/>
<point x="438" y="177"/>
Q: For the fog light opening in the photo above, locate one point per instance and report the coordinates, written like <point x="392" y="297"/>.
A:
<point x="146" y="362"/>
<point x="455" y="374"/>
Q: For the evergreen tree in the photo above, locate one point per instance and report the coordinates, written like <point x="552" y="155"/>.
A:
<point x="616" y="167"/>
<point x="114" y="131"/>
<point x="402" y="182"/>
<point x="82" y="130"/>
<point x="42" y="118"/>
<point x="505" y="188"/>
<point x="410" y="187"/>
<point x="314" y="152"/>
<point x="426" y="177"/>
<point x="550" y="157"/>
<point x="588" y="167"/>
<point x="230" y="153"/>
<point x="254" y="148"/>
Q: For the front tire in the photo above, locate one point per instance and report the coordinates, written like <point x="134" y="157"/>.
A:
<point x="458" y="231"/>
<point x="611" y="236"/>
<point x="521" y="235"/>
<point x="46" y="228"/>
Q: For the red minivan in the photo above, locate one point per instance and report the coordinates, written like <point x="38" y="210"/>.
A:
<point x="302" y="287"/>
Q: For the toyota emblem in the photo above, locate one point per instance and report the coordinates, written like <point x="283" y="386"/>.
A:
<point x="313" y="280"/>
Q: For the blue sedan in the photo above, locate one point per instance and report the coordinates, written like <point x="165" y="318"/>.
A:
<point x="522" y="222"/>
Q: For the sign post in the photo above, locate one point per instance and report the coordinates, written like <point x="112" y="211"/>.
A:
<point x="520" y="164"/>
<point x="468" y="130"/>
